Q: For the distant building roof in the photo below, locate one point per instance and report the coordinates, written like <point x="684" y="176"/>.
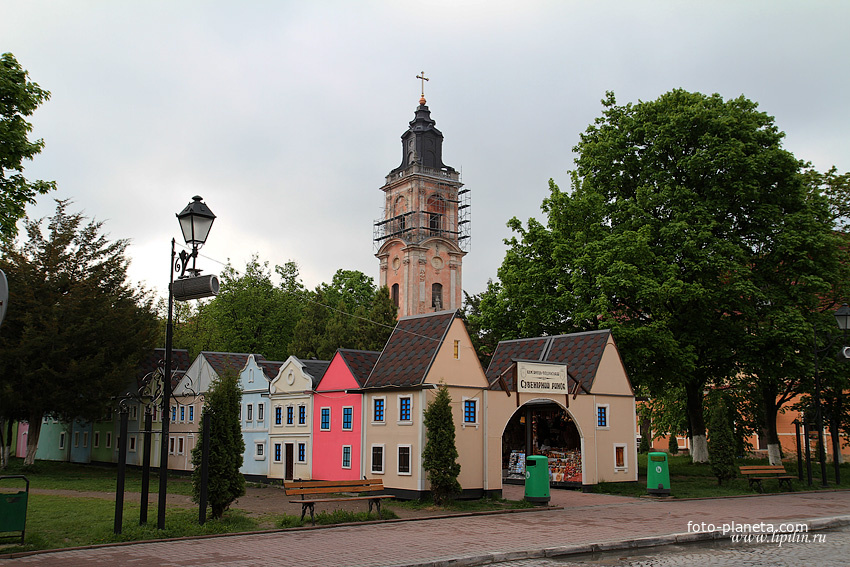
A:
<point x="221" y="362"/>
<point x="407" y="357"/>
<point x="580" y="351"/>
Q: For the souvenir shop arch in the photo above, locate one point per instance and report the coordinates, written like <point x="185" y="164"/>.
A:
<point x="543" y="426"/>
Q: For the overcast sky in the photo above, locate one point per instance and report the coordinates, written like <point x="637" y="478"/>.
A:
<point x="287" y="116"/>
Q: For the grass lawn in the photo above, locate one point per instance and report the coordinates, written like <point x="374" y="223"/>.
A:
<point x="56" y="521"/>
<point x="695" y="480"/>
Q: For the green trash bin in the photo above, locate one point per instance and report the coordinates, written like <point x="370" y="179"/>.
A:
<point x="537" y="479"/>
<point x="657" y="474"/>
<point x="13" y="509"/>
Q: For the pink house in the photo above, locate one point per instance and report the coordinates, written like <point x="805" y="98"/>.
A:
<point x="337" y="415"/>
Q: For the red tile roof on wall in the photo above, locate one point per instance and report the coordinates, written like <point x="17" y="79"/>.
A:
<point x="407" y="357"/>
<point x="359" y="362"/>
<point x="580" y="351"/>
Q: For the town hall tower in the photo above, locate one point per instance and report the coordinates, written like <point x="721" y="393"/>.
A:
<point x="424" y="233"/>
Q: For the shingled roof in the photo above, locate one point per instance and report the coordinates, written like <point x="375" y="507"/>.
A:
<point x="581" y="352"/>
<point x="156" y="359"/>
<point x="270" y="368"/>
<point x="408" y="355"/>
<point x="359" y="362"/>
<point x="221" y="362"/>
<point x="315" y="369"/>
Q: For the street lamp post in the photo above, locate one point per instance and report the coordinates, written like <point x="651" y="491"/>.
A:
<point x="195" y="222"/>
<point x="842" y="318"/>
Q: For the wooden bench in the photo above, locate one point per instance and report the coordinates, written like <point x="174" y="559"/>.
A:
<point x="755" y="474"/>
<point x="310" y="487"/>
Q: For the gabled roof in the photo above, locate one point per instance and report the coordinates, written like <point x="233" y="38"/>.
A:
<point x="156" y="359"/>
<point x="270" y="368"/>
<point x="410" y="351"/>
<point x="359" y="362"/>
<point x="221" y="362"/>
<point x="581" y="352"/>
<point x="315" y="369"/>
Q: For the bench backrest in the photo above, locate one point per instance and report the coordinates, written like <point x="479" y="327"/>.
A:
<point x="302" y="487"/>
<point x="756" y="469"/>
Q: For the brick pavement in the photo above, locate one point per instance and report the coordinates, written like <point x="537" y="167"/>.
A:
<point x="585" y="519"/>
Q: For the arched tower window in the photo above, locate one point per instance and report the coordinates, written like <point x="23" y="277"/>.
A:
<point x="437" y="296"/>
<point x="394" y="294"/>
<point x="436" y="207"/>
<point x="399" y="208"/>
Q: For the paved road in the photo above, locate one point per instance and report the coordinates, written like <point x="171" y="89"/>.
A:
<point x="585" y="521"/>
<point x="829" y="548"/>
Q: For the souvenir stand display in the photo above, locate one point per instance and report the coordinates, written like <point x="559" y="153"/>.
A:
<point x="554" y="435"/>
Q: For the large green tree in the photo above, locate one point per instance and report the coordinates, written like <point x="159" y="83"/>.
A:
<point x="226" y="446"/>
<point x="250" y="314"/>
<point x="19" y="98"/>
<point x="76" y="330"/>
<point x="680" y="208"/>
<point x="350" y="312"/>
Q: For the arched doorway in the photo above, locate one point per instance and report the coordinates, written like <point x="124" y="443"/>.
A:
<point x="543" y="427"/>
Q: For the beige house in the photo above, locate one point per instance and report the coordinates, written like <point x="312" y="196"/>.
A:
<point x="291" y="439"/>
<point x="567" y="397"/>
<point x="423" y="352"/>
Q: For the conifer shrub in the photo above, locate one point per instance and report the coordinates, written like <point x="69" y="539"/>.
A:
<point x="439" y="459"/>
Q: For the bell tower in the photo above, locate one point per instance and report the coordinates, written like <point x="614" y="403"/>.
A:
<point x="424" y="233"/>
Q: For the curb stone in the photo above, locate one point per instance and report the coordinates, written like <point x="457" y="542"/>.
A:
<point x="814" y="524"/>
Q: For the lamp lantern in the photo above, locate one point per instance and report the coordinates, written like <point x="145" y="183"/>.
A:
<point x="196" y="221"/>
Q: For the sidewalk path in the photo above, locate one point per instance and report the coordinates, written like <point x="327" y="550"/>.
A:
<point x="584" y="519"/>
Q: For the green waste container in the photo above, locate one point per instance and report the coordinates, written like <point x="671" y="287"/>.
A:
<point x="537" y="479"/>
<point x="13" y="509"/>
<point x="657" y="474"/>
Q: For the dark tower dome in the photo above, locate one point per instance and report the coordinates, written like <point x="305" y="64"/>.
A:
<point x="422" y="143"/>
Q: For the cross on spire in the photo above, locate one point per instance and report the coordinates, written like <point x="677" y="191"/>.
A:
<point x="423" y="79"/>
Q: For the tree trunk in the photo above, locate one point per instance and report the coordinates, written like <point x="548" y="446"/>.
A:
<point x="699" y="449"/>
<point x="769" y="412"/>
<point x="32" y="438"/>
<point x="696" y="422"/>
<point x="4" y="446"/>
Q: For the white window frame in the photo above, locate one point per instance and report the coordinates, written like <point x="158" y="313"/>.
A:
<point x="322" y="411"/>
<point x="607" y="416"/>
<point x="625" y="467"/>
<point x="372" y="458"/>
<point x="261" y="411"/>
<point x="384" y="400"/>
<point x="350" y="458"/>
<point x="172" y="445"/>
<point x="76" y="439"/>
<point x="463" y="422"/>
<point x="405" y="421"/>
<point x="108" y="440"/>
<point x="278" y="409"/>
<point x="298" y="458"/>
<point x="278" y="451"/>
<point x="259" y="450"/>
<point x="134" y="412"/>
<point x="181" y="445"/>
<point x="96" y="440"/>
<point x="182" y="413"/>
<point x="289" y="408"/>
<point x="306" y="417"/>
<point x="131" y="444"/>
<point x="61" y="440"/>
<point x="249" y="412"/>
<point x="192" y="413"/>
<point x="351" y="427"/>
<point x="409" y="460"/>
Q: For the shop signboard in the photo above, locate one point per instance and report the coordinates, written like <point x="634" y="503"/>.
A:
<point x="541" y="378"/>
